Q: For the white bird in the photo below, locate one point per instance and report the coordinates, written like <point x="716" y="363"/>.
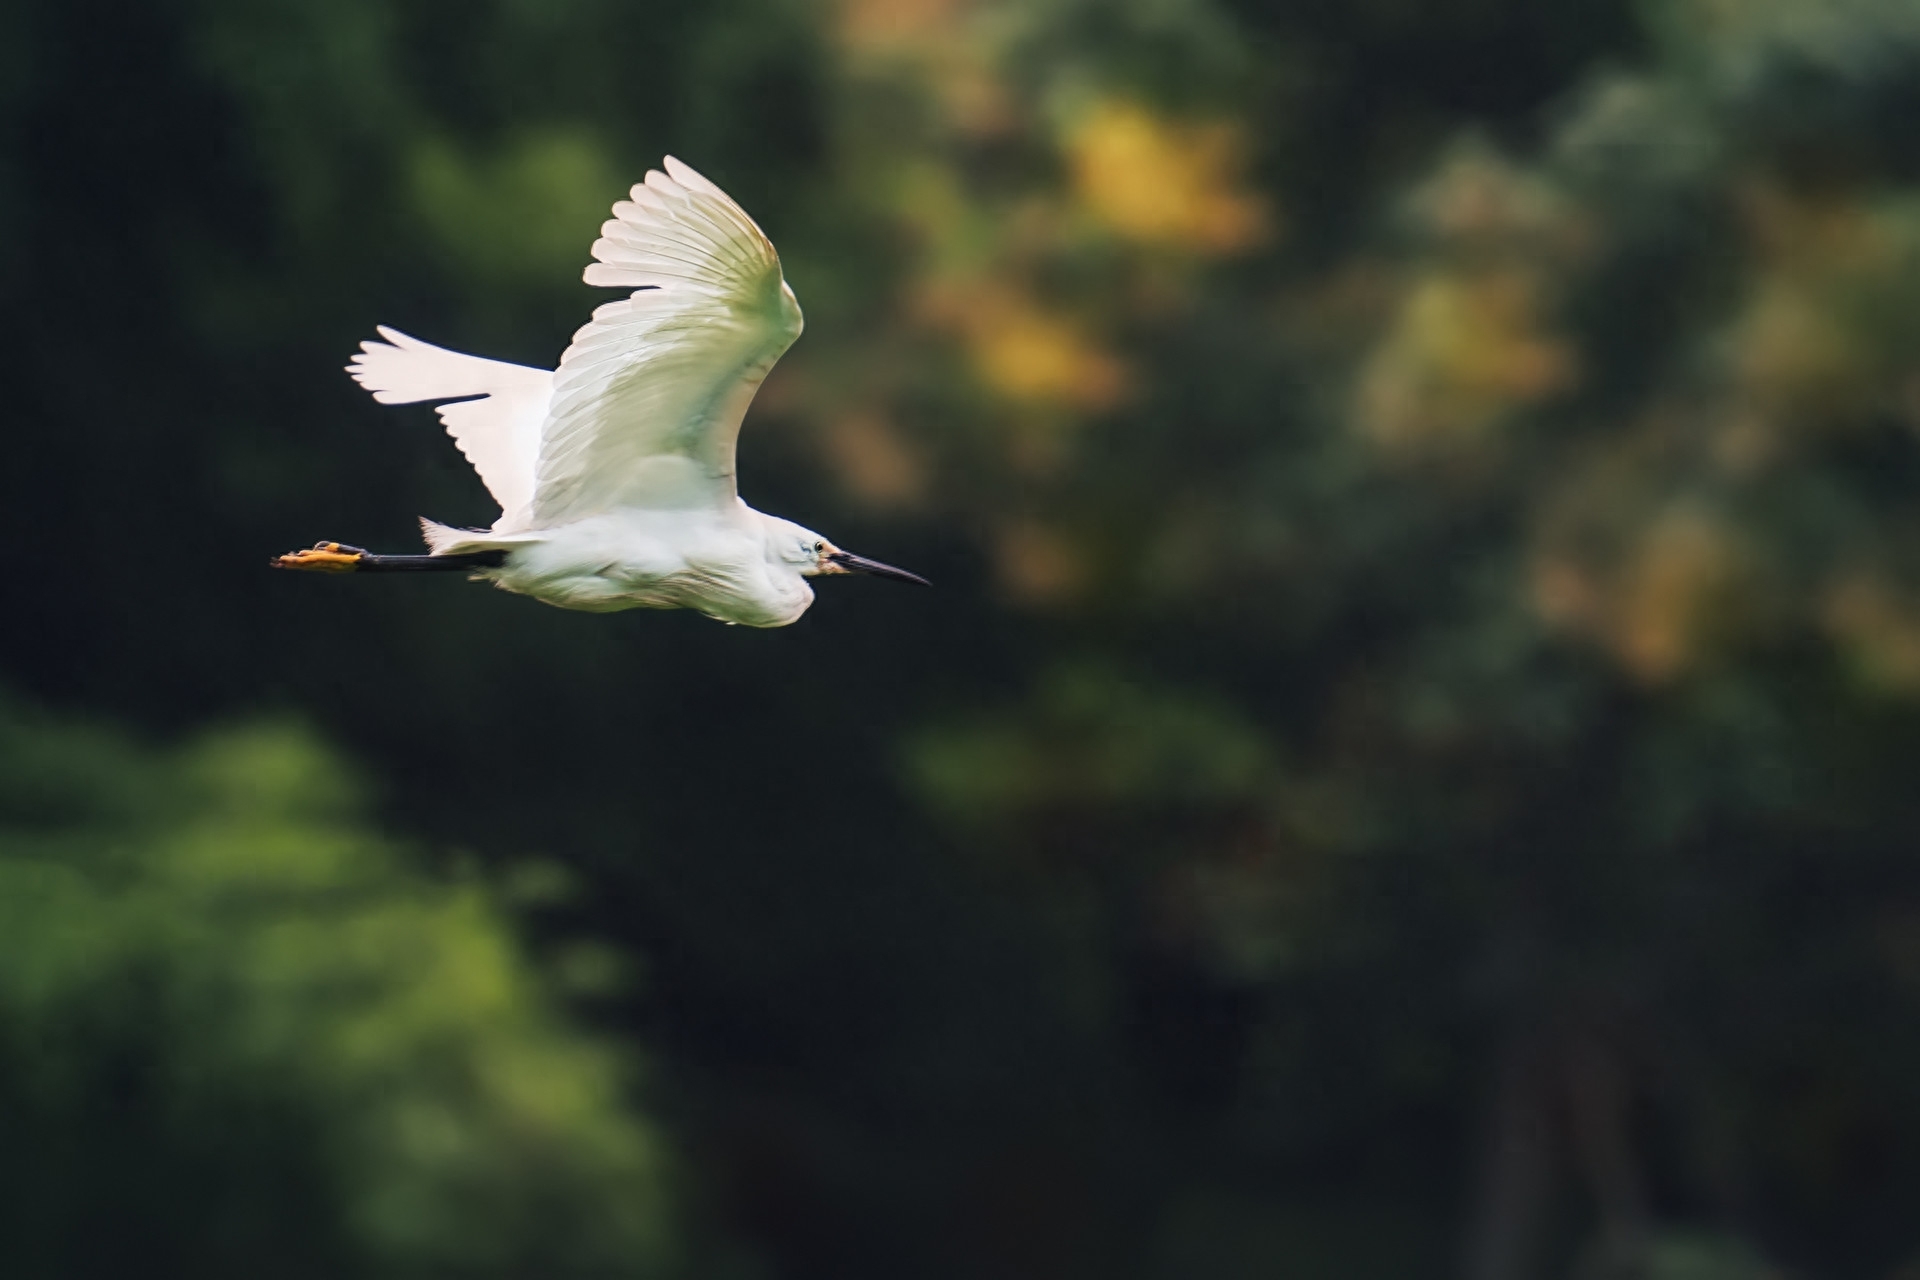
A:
<point x="615" y="472"/>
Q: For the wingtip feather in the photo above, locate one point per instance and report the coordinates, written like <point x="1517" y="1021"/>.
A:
<point x="662" y="184"/>
<point x="685" y="174"/>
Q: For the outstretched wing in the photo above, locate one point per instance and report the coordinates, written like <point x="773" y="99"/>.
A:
<point x="499" y="432"/>
<point x="647" y="402"/>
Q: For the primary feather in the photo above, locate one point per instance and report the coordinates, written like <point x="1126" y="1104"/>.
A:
<point x="647" y="402"/>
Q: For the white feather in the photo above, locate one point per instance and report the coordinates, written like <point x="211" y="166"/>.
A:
<point x="647" y="402"/>
<point x="499" y="433"/>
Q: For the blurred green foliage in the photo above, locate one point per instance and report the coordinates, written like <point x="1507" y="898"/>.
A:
<point x="238" y="1025"/>
<point x="1407" y="773"/>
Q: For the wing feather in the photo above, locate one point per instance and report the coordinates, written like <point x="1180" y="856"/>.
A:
<point x="647" y="402"/>
<point x="499" y="432"/>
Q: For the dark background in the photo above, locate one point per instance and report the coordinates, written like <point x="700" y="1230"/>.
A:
<point x="1407" y="770"/>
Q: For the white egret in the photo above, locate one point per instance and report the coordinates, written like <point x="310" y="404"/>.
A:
<point x="615" y="472"/>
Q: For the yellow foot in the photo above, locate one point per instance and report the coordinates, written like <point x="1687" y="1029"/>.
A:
<point x="323" y="557"/>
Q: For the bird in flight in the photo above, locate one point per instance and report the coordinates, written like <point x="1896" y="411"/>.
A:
<point x="615" y="472"/>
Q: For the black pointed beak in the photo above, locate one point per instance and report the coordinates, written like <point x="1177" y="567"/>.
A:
<point x="850" y="563"/>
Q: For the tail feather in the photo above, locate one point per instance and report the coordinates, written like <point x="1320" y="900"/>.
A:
<point x="450" y="540"/>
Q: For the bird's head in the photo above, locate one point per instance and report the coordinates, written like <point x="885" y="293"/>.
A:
<point x="813" y="556"/>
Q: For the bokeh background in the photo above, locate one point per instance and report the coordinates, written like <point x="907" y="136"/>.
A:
<point x="1412" y="768"/>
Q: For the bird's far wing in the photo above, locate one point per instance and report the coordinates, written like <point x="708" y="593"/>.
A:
<point x="647" y="402"/>
<point x="499" y="432"/>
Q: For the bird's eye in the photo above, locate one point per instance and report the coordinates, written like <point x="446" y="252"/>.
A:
<point x="818" y="547"/>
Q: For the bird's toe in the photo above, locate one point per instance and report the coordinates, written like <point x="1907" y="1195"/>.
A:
<point x="322" y="557"/>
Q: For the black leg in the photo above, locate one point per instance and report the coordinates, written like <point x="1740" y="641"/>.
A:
<point x="339" y="557"/>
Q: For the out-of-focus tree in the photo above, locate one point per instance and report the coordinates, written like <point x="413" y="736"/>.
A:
<point x="1427" y="646"/>
<point x="237" y="1031"/>
<point x="1545" y="535"/>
